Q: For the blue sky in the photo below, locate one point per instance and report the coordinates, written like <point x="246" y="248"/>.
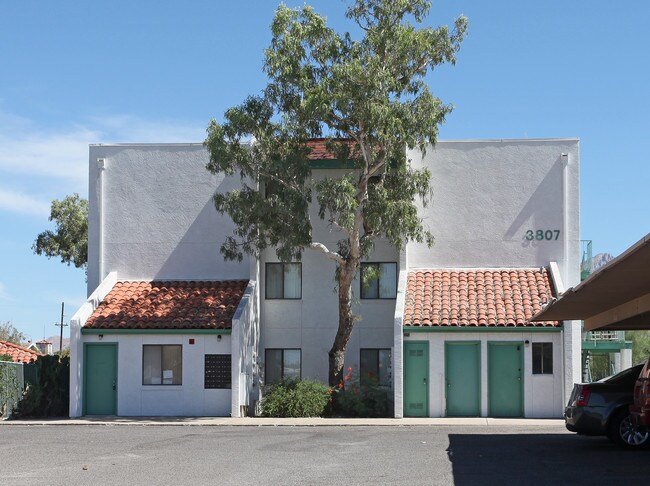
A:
<point x="74" y="73"/>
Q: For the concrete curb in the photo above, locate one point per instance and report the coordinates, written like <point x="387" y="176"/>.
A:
<point x="289" y="422"/>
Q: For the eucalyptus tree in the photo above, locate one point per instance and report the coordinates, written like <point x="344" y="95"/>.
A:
<point x="69" y="241"/>
<point x="366" y="94"/>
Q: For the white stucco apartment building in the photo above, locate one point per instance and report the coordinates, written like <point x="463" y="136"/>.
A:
<point x="172" y="329"/>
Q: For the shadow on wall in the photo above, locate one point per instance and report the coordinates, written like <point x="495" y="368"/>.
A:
<point x="547" y="198"/>
<point x="197" y="255"/>
<point x="543" y="459"/>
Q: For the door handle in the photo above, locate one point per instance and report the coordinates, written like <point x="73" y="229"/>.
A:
<point x="113" y="385"/>
<point x="424" y="381"/>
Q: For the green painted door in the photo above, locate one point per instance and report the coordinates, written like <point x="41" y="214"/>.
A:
<point x="505" y="379"/>
<point x="100" y="383"/>
<point x="463" y="378"/>
<point x="416" y="378"/>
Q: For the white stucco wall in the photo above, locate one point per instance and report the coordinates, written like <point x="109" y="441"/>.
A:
<point x="188" y="399"/>
<point x="158" y="219"/>
<point x="488" y="193"/>
<point x="245" y="339"/>
<point x="543" y="394"/>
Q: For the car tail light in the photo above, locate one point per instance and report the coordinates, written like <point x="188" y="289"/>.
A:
<point x="583" y="397"/>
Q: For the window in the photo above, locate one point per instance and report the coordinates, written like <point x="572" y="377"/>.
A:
<point x="378" y="280"/>
<point x="162" y="364"/>
<point x="282" y="364"/>
<point x="283" y="281"/>
<point x="217" y="371"/>
<point x="542" y="358"/>
<point x="376" y="366"/>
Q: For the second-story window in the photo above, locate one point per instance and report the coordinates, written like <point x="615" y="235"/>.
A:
<point x="283" y="281"/>
<point x="378" y="280"/>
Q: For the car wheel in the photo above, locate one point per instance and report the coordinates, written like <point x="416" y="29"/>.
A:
<point x="624" y="433"/>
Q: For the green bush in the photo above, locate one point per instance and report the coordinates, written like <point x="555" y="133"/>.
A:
<point x="365" y="400"/>
<point x="295" y="398"/>
<point x="49" y="397"/>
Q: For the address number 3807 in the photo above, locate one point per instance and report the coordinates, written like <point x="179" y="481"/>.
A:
<point x="541" y="235"/>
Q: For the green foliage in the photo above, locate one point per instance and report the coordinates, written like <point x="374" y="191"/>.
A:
<point x="10" y="386"/>
<point x="5" y="357"/>
<point x="70" y="239"/>
<point x="295" y="398"/>
<point x="369" y="99"/>
<point x="9" y="333"/>
<point x="640" y="345"/>
<point x="51" y="395"/>
<point x="361" y="398"/>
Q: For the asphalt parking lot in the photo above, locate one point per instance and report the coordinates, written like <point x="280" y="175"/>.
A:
<point x="462" y="455"/>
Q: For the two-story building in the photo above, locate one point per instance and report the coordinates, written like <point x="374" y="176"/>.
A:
<point x="170" y="328"/>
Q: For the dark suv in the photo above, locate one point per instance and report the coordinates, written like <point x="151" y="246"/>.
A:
<point x="602" y="408"/>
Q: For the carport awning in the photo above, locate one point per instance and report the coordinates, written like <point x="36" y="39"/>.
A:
<point x="614" y="298"/>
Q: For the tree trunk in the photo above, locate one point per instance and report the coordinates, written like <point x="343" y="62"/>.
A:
<point x="346" y="323"/>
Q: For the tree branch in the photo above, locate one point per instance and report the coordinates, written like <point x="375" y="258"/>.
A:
<point x="332" y="255"/>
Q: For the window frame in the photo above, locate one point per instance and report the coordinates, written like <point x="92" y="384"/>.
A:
<point x="546" y="364"/>
<point x="282" y="376"/>
<point x="362" y="294"/>
<point x="266" y="280"/>
<point x="161" y="346"/>
<point x="362" y="376"/>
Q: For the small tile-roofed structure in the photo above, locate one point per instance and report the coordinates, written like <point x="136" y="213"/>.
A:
<point x="169" y="305"/>
<point x="18" y="354"/>
<point x="319" y="150"/>
<point x="481" y="298"/>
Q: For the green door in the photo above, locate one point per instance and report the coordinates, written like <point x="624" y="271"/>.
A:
<point x="505" y="379"/>
<point x="416" y="382"/>
<point x="100" y="382"/>
<point x="463" y="378"/>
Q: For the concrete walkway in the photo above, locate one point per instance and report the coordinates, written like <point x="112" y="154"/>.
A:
<point x="290" y="422"/>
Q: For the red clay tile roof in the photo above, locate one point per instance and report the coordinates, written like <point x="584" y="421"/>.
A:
<point x="319" y="151"/>
<point x="495" y="297"/>
<point x="18" y="353"/>
<point x="169" y="305"/>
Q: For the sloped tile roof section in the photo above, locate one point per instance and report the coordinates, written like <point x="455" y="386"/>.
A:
<point x="319" y="150"/>
<point x="169" y="305"/>
<point x="17" y="353"/>
<point x="480" y="298"/>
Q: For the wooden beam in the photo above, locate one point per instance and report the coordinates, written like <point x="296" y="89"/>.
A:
<point x="623" y="312"/>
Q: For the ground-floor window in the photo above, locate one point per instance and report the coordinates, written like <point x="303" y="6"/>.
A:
<point x="542" y="358"/>
<point x="376" y="367"/>
<point x="282" y="364"/>
<point x="162" y="364"/>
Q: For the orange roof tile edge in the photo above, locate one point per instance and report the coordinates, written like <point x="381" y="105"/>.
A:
<point x="18" y="354"/>
<point x="506" y="297"/>
<point x="172" y="304"/>
<point x="319" y="149"/>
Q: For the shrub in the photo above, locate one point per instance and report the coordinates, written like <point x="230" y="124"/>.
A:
<point x="365" y="399"/>
<point x="49" y="397"/>
<point x="295" y="398"/>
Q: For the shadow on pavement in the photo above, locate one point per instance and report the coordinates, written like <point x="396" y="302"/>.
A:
<point x="544" y="459"/>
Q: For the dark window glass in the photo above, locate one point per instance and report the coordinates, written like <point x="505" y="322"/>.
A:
<point x="378" y="280"/>
<point x="282" y="364"/>
<point x="376" y="366"/>
<point x="542" y="358"/>
<point x="283" y="281"/>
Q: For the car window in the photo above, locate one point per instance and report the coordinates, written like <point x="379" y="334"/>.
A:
<point x="625" y="377"/>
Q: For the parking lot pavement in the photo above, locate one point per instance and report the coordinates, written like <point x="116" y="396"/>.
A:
<point x="104" y="453"/>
